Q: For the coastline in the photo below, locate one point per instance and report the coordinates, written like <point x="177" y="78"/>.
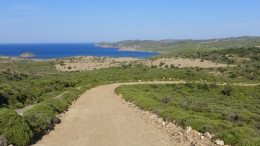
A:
<point x="58" y="51"/>
<point x="133" y="49"/>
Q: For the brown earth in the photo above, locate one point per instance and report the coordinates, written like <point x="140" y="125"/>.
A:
<point x="83" y="63"/>
<point x="101" y="118"/>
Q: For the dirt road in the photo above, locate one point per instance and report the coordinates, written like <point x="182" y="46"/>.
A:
<point x="100" y="118"/>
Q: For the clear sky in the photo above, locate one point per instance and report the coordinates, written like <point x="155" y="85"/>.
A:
<point x="49" y="21"/>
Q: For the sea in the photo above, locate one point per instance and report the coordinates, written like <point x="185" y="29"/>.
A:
<point x="64" y="50"/>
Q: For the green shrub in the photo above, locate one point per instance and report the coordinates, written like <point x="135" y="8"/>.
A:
<point x="237" y="135"/>
<point x="234" y="118"/>
<point x="40" y="118"/>
<point x="14" y="128"/>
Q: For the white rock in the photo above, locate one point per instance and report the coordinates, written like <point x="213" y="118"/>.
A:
<point x="202" y="137"/>
<point x="188" y="129"/>
<point x="219" y="142"/>
<point x="163" y="123"/>
<point x="207" y="135"/>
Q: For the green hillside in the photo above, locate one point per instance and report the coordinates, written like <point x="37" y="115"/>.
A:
<point x="166" y="46"/>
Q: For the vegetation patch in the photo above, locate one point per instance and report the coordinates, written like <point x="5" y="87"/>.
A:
<point x="231" y="112"/>
<point x="14" y="128"/>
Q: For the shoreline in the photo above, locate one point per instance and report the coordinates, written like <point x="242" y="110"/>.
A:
<point x="130" y="49"/>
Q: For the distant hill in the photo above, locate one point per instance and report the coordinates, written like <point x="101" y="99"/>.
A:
<point x="169" y="45"/>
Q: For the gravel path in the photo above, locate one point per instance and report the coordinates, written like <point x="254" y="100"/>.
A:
<point x="101" y="118"/>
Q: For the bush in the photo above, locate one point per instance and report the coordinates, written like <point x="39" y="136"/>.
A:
<point x="234" y="118"/>
<point x="237" y="135"/>
<point x="14" y="128"/>
<point x="40" y="118"/>
<point x="227" y="90"/>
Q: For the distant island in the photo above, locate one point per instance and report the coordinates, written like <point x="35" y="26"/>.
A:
<point x="27" y="54"/>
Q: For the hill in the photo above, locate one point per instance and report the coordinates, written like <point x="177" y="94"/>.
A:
<point x="166" y="46"/>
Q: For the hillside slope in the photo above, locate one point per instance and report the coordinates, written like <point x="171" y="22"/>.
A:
<point x="173" y="45"/>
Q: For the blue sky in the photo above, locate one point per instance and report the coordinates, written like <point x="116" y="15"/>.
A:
<point x="49" y="21"/>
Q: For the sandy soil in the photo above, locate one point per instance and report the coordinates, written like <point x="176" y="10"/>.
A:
<point x="101" y="118"/>
<point x="90" y="63"/>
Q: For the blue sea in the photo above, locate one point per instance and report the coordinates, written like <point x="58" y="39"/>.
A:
<point x="48" y="51"/>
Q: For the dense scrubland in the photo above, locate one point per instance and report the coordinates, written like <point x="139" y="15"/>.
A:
<point x="231" y="112"/>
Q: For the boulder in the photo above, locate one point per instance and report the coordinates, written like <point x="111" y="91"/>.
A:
<point x="207" y="135"/>
<point x="219" y="142"/>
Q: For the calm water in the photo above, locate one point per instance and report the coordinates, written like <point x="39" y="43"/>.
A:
<point x="47" y="51"/>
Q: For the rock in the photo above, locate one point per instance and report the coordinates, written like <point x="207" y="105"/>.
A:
<point x="188" y="129"/>
<point x="171" y="126"/>
<point x="193" y="143"/>
<point x="219" y="142"/>
<point x="202" y="137"/>
<point x="179" y="133"/>
<point x="163" y="123"/>
<point x="207" y="135"/>
<point x="153" y="116"/>
<point x="2" y="140"/>
<point x="159" y="121"/>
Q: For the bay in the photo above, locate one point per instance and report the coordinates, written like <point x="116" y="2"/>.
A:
<point x="63" y="50"/>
